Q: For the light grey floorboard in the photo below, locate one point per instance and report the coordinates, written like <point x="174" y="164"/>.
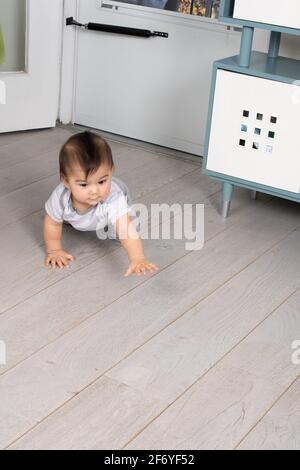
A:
<point x="129" y="321"/>
<point x="219" y="409"/>
<point x="17" y="149"/>
<point x="279" y="429"/>
<point x="61" y="341"/>
<point x="101" y="416"/>
<point x="28" y="313"/>
<point x="234" y="395"/>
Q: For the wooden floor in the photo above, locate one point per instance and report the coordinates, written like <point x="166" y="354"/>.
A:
<point x="196" y="356"/>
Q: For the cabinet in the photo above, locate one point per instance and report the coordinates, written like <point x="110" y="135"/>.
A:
<point x="252" y="137"/>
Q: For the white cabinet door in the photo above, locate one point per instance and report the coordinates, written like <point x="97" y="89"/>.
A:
<point x="255" y="131"/>
<point x="29" y="99"/>
<point x="155" y="90"/>
<point x="277" y="12"/>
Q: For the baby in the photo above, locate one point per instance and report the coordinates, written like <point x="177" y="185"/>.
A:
<point x="89" y="197"/>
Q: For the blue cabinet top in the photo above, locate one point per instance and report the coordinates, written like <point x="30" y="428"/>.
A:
<point x="281" y="69"/>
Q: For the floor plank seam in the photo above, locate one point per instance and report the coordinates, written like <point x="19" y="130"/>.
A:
<point x="267" y="411"/>
<point x="27" y="185"/>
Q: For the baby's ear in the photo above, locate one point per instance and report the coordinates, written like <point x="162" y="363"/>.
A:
<point x="64" y="180"/>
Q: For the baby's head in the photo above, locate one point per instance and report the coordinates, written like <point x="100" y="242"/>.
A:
<point x="86" y="167"/>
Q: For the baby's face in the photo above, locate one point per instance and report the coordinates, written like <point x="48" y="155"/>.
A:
<point x="93" y="189"/>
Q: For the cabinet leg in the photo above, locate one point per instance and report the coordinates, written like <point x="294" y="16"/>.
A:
<point x="274" y="46"/>
<point x="227" y="196"/>
<point x="246" y="46"/>
<point x="253" y="195"/>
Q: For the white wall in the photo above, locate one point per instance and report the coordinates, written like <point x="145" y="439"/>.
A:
<point x="13" y="23"/>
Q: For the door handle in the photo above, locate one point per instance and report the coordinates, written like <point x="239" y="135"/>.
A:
<point x="146" y="33"/>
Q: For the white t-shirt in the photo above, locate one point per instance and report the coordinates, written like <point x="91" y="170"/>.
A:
<point x="59" y="207"/>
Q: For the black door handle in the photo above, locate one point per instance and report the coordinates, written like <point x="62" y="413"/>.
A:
<point x="146" y="33"/>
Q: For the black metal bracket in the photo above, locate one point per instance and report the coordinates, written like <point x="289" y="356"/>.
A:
<point x="71" y="21"/>
<point x="146" y="33"/>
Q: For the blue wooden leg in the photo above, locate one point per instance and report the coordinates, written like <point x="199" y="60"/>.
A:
<point x="246" y="46"/>
<point x="253" y="194"/>
<point x="227" y="196"/>
<point x="274" y="45"/>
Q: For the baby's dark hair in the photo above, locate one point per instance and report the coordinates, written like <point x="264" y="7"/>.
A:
<point x="88" y="150"/>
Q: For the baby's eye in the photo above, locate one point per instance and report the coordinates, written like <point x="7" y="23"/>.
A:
<point x="83" y="185"/>
<point x="103" y="181"/>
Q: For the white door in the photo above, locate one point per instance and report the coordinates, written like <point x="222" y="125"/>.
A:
<point x="29" y="98"/>
<point x="155" y="90"/>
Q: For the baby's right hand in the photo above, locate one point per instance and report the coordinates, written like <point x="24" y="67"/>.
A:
<point x="58" y="257"/>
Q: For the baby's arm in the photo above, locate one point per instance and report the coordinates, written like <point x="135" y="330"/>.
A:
<point x="130" y="240"/>
<point x="52" y="236"/>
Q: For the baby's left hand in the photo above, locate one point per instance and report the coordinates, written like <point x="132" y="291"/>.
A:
<point x="140" y="266"/>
